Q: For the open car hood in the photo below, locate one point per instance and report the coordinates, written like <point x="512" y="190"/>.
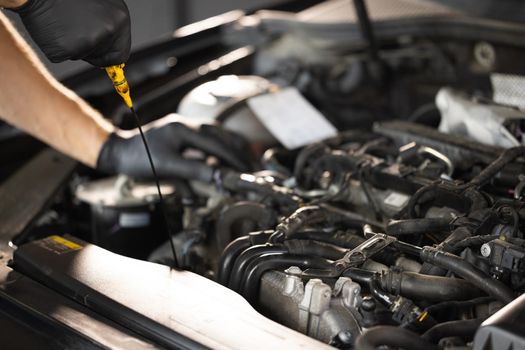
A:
<point x="504" y="10"/>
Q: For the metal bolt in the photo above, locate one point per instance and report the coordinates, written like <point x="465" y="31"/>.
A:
<point x="340" y="266"/>
<point x="485" y="250"/>
<point x="485" y="54"/>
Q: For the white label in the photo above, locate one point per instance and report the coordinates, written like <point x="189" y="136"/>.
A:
<point x="396" y="199"/>
<point x="291" y="119"/>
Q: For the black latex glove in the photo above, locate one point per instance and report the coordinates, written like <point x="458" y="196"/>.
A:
<point x="167" y="139"/>
<point x="96" y="31"/>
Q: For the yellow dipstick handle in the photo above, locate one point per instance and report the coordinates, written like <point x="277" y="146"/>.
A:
<point x="116" y="74"/>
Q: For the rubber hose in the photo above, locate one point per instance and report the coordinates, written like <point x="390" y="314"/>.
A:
<point x="474" y="240"/>
<point x="371" y="279"/>
<point x="245" y="258"/>
<point x="346" y="240"/>
<point x="458" y="328"/>
<point x="424" y="194"/>
<point x="438" y="195"/>
<point x="448" y="245"/>
<point x="506" y="157"/>
<point x="417" y="286"/>
<point x="394" y="337"/>
<point x="418" y="226"/>
<point x="255" y="212"/>
<point x="316" y="149"/>
<point x="228" y="257"/>
<point x="458" y="304"/>
<point x="309" y="248"/>
<point x="313" y="214"/>
<point x="469" y="272"/>
<point x="335" y="163"/>
<point x="478" y="200"/>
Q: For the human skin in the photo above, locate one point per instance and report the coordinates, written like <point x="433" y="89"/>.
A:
<point x="35" y="102"/>
<point x="11" y="3"/>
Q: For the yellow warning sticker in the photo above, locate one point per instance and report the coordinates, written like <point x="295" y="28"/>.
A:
<point x="59" y="245"/>
<point x="69" y="244"/>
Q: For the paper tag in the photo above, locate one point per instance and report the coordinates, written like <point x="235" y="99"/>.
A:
<point x="291" y="119"/>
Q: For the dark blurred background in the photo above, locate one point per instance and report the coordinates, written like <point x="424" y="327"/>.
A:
<point x="154" y="18"/>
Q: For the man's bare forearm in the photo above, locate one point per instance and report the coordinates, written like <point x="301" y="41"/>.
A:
<point x="9" y="4"/>
<point x="32" y="100"/>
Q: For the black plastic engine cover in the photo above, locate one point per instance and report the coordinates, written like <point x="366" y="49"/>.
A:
<point x="505" y="329"/>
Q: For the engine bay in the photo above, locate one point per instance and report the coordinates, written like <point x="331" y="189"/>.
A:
<point x="406" y="229"/>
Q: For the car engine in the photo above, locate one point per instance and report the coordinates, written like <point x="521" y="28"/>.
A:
<point x="406" y="229"/>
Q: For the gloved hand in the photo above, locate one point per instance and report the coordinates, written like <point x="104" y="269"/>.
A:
<point x="96" y="31"/>
<point x="124" y="152"/>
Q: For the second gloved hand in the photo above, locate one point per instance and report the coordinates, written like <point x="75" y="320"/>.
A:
<point x="124" y="152"/>
<point x="96" y="31"/>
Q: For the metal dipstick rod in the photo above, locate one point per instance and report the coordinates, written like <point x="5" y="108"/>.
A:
<point x="116" y="74"/>
<point x="367" y="31"/>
